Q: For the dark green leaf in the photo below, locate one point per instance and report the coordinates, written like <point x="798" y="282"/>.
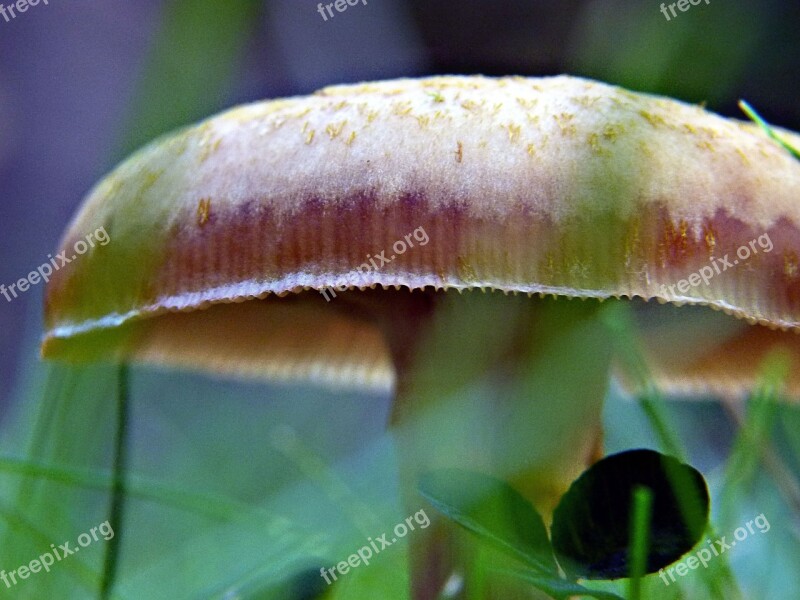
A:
<point x="592" y="523"/>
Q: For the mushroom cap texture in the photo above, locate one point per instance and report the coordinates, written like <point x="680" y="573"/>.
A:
<point x="555" y="185"/>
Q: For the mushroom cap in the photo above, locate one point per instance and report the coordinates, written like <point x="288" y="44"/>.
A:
<point x="554" y="185"/>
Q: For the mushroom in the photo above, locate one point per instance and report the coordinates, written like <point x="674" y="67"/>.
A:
<point x="329" y="238"/>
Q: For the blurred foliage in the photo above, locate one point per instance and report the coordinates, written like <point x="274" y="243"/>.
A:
<point x="194" y="60"/>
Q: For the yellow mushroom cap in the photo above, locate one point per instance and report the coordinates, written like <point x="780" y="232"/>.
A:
<point x="538" y="185"/>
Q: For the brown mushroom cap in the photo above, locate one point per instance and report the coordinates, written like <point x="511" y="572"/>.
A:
<point x="537" y="185"/>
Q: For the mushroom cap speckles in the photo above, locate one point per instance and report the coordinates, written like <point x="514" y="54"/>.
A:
<point x="556" y="185"/>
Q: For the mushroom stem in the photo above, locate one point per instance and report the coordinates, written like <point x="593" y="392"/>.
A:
<point x="510" y="387"/>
